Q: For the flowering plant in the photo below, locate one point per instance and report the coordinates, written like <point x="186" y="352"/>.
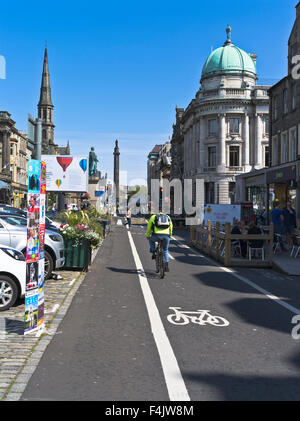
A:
<point x="79" y="231"/>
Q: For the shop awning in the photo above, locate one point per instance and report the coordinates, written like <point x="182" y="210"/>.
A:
<point x="4" y="186"/>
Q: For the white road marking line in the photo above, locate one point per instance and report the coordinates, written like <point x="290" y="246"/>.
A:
<point x="171" y="257"/>
<point x="72" y="282"/>
<point x="250" y="283"/>
<point x="174" y="381"/>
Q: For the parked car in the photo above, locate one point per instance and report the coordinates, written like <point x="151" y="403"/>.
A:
<point x="11" y="210"/>
<point x="12" y="276"/>
<point x="13" y="233"/>
<point x="48" y="223"/>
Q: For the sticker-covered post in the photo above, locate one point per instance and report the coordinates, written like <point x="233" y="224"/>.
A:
<point x="42" y="244"/>
<point x="34" y="293"/>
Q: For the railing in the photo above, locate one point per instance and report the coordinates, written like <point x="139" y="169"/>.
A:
<point x="219" y="244"/>
<point x="235" y="92"/>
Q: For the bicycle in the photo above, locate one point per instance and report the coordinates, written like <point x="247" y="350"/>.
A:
<point x="160" y="259"/>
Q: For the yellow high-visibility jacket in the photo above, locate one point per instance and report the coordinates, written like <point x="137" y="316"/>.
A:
<point x="152" y="228"/>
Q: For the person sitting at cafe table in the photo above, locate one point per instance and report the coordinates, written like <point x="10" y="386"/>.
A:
<point x="237" y="229"/>
<point x="254" y="229"/>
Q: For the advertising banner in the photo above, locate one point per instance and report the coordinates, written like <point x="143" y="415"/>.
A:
<point x="66" y="173"/>
<point x="221" y="213"/>
<point x="34" y="293"/>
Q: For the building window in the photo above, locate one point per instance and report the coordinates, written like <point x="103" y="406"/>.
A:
<point x="293" y="144"/>
<point x="234" y="126"/>
<point x="266" y="126"/>
<point x="231" y="192"/>
<point x="275" y="150"/>
<point x="275" y="107"/>
<point x="45" y="114"/>
<point x="210" y="192"/>
<point x="267" y="156"/>
<point x="11" y="148"/>
<point x="294" y="92"/>
<point x="212" y="156"/>
<point x="212" y="127"/>
<point x="284" y="148"/>
<point x="234" y="156"/>
<point x="285" y="101"/>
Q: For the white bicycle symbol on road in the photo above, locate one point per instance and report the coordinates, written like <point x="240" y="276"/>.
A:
<point x="200" y="317"/>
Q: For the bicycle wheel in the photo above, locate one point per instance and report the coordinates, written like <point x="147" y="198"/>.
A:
<point x="157" y="260"/>
<point x="161" y="263"/>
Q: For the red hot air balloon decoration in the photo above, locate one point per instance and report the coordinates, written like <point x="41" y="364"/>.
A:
<point x="64" y="162"/>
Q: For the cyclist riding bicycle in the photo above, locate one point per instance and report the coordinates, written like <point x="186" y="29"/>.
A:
<point x="160" y="227"/>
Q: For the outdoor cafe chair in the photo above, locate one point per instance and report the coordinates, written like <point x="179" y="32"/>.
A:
<point x="295" y="248"/>
<point x="256" y="249"/>
<point x="276" y="243"/>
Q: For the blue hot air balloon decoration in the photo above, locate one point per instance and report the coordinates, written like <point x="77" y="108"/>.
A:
<point x="83" y="164"/>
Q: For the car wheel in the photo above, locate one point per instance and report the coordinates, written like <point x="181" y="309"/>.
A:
<point x="8" y="292"/>
<point x="49" y="265"/>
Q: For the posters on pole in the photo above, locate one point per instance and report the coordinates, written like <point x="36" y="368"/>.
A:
<point x="66" y="173"/>
<point x="34" y="293"/>
<point x="221" y="213"/>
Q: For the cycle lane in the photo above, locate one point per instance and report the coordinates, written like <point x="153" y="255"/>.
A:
<point x="253" y="358"/>
<point x="105" y="350"/>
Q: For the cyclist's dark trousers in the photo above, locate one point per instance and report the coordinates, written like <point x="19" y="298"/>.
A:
<point x="165" y="242"/>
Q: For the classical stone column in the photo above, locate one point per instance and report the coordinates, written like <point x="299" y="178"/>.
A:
<point x="246" y="144"/>
<point x="222" y="143"/>
<point x="258" y="137"/>
<point x="201" y="144"/>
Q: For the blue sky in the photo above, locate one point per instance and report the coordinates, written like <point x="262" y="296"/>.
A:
<point x="118" y="69"/>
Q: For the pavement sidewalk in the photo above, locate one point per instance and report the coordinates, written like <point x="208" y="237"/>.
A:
<point x="19" y="354"/>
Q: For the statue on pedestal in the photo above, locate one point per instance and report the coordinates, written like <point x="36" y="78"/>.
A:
<point x="93" y="163"/>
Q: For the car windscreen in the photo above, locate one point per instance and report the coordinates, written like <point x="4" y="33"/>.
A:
<point x="12" y="211"/>
<point x="13" y="220"/>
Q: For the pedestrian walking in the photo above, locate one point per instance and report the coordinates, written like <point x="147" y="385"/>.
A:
<point x="277" y="220"/>
<point x="128" y="216"/>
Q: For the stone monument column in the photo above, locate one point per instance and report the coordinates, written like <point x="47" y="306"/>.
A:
<point x="117" y="174"/>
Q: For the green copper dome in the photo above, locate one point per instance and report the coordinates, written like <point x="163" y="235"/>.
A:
<point x="228" y="59"/>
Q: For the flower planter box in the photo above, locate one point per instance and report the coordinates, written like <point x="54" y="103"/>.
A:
<point x="77" y="254"/>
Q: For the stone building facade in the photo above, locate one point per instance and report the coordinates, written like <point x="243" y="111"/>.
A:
<point x="226" y="125"/>
<point x="281" y="181"/>
<point x="284" y="174"/>
<point x="177" y="147"/>
<point x="15" y="151"/>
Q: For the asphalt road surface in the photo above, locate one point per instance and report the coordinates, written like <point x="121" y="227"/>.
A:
<point x="121" y="340"/>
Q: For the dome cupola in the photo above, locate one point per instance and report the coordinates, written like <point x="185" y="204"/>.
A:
<point x="228" y="59"/>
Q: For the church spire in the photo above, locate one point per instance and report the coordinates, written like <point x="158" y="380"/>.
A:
<point x="45" y="110"/>
<point x="45" y="96"/>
